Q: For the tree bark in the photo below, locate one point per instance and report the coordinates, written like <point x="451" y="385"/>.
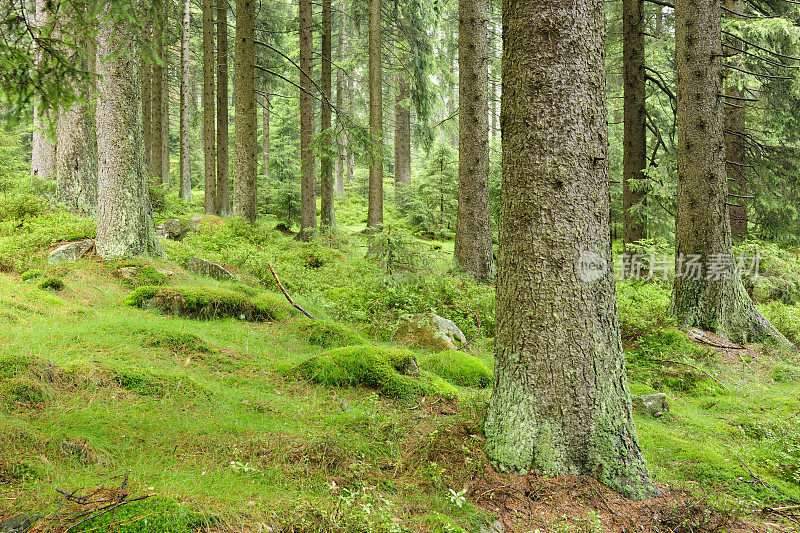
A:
<point x="473" y="246"/>
<point x="635" y="135"/>
<point x="209" y="110"/>
<point x="43" y="148"/>
<point x="340" y="88"/>
<point x="124" y="215"/>
<point x="165" y="124"/>
<point x="715" y="298"/>
<point x="327" y="219"/>
<point x="375" y="207"/>
<point x="560" y="403"/>
<point x="308" y="192"/>
<point x="265" y="119"/>
<point x="223" y="183"/>
<point x="147" y="99"/>
<point x="157" y="82"/>
<point x="245" y="191"/>
<point x="185" y="163"/>
<point x="735" y="148"/>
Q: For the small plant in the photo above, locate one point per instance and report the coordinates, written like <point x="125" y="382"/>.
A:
<point x="396" y="249"/>
<point x="458" y="498"/>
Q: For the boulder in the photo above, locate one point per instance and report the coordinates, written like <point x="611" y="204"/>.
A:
<point x="174" y="228"/>
<point x="495" y="527"/>
<point x="208" y="268"/>
<point x="654" y="405"/>
<point x="430" y="331"/>
<point x="71" y="251"/>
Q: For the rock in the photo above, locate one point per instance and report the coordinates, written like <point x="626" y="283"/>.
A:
<point x="18" y="524"/>
<point x="196" y="218"/>
<point x="429" y="330"/>
<point x="654" y="405"/>
<point x="127" y="272"/>
<point x="208" y="268"/>
<point x="174" y="229"/>
<point x="72" y="251"/>
<point x="495" y="527"/>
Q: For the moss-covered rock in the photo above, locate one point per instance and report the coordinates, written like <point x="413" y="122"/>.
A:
<point x="459" y="368"/>
<point x="142" y="276"/>
<point x="379" y="367"/>
<point x="31" y="274"/>
<point x="206" y="303"/>
<point x="175" y="341"/>
<point x="51" y="283"/>
<point x="330" y="334"/>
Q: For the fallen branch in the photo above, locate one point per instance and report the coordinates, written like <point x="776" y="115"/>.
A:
<point x="287" y="294"/>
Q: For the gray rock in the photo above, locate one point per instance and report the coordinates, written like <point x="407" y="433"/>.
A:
<point x="208" y="268"/>
<point x="429" y="330"/>
<point x="174" y="229"/>
<point x="18" y="524"/>
<point x="654" y="405"/>
<point x="72" y="251"/>
<point x="495" y="527"/>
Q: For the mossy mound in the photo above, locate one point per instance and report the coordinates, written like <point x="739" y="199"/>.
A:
<point x="31" y="274"/>
<point x="205" y="303"/>
<point x="389" y="370"/>
<point x="175" y="341"/>
<point x="459" y="368"/>
<point x="330" y="334"/>
<point x="22" y="390"/>
<point x="51" y="283"/>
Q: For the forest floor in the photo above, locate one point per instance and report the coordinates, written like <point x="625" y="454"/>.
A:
<point x="204" y="425"/>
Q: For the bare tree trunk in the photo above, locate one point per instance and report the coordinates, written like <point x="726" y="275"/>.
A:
<point x="375" y="208"/>
<point x="223" y="183"/>
<point x="340" y="88"/>
<point x="43" y="149"/>
<point x="350" y="155"/>
<point x="157" y="82"/>
<point x="327" y="219"/>
<point x="124" y="216"/>
<point x="494" y="76"/>
<point x="147" y="99"/>
<point x="560" y="403"/>
<point x="245" y="173"/>
<point x="209" y="110"/>
<point x="185" y="163"/>
<point x="635" y="136"/>
<point x="165" y="123"/>
<point x="308" y="193"/>
<point x="735" y="148"/>
<point x="473" y="247"/>
<point x="713" y="298"/>
<point x="265" y="119"/>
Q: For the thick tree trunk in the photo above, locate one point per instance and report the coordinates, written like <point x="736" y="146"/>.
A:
<point x="185" y="164"/>
<point x="245" y="172"/>
<point x="711" y="297"/>
<point x="560" y="403"/>
<point x="209" y="110"/>
<point x="223" y="182"/>
<point x="265" y="119"/>
<point x="494" y="76"/>
<point x="326" y="163"/>
<point x="308" y="192"/>
<point x="635" y="135"/>
<point x="124" y="216"/>
<point x="147" y="99"/>
<point x="43" y="149"/>
<point x="735" y="148"/>
<point x="157" y="82"/>
<point x="340" y="88"/>
<point x="375" y="208"/>
<point x="473" y="247"/>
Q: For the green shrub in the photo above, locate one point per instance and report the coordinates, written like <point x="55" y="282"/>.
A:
<point x="643" y="308"/>
<point x="785" y="374"/>
<point x="376" y="367"/>
<point x="31" y="274"/>
<point x="52" y="283"/>
<point x="786" y="318"/>
<point x="330" y="334"/>
<point x="459" y="368"/>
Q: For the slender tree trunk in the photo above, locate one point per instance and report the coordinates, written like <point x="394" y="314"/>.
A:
<point x="185" y="163"/>
<point x="147" y="99"/>
<point x="265" y="119"/>
<point x="327" y="219"/>
<point x="473" y="247"/>
<point x="308" y="193"/>
<point x="43" y="149"/>
<point x="494" y="76"/>
<point x="402" y="137"/>
<point x="340" y="88"/>
<point x="635" y="136"/>
<point x="165" y="123"/>
<point x="124" y="215"/>
<point x="209" y="110"/>
<point x="375" y="208"/>
<point x="713" y="296"/>
<point x="157" y="82"/>
<point x="560" y="403"/>
<point x="245" y="172"/>
<point x="735" y="148"/>
<point x="350" y="156"/>
<point x="223" y="183"/>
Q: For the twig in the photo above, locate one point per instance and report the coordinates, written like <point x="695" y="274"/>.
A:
<point x="287" y="294"/>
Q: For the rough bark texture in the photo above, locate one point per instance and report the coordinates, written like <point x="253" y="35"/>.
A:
<point x="223" y="183"/>
<point x="326" y="163"/>
<point x="185" y="190"/>
<point x="635" y="136"/>
<point x="265" y="119"/>
<point x="157" y="82"/>
<point x="43" y="149"/>
<point x="147" y="97"/>
<point x="209" y="110"/>
<point x="165" y="124"/>
<point x="702" y="228"/>
<point x="560" y="403"/>
<point x="375" y="208"/>
<point x="473" y="246"/>
<point x="494" y="98"/>
<point x="735" y="148"/>
<point x="308" y="193"/>
<point x="124" y="215"/>
<point x="245" y="170"/>
<point x="340" y="88"/>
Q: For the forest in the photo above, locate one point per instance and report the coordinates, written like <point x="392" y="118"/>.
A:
<point x="384" y="266"/>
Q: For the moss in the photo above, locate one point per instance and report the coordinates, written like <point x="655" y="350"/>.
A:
<point x="459" y="368"/>
<point x="376" y="367"/>
<point x="23" y="390"/>
<point x="14" y="366"/>
<point x="52" y="283"/>
<point x="31" y="274"/>
<point x="204" y="303"/>
<point x="152" y="515"/>
<point x="138" y="383"/>
<point x="785" y="374"/>
<point x="330" y="334"/>
<point x="178" y="342"/>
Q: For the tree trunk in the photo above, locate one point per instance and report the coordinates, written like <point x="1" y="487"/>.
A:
<point x="375" y="208"/>
<point x="494" y="76"/>
<point x="735" y="148"/>
<point x="124" y="216"/>
<point x="147" y="99"/>
<point x="209" y="110"/>
<point x="308" y="193"/>
<point x="635" y="135"/>
<point x="350" y="155"/>
<point x="165" y="124"/>
<point x="185" y="163"/>
<point x="265" y="118"/>
<point x="245" y="172"/>
<point x="157" y="82"/>
<point x="402" y="136"/>
<point x="223" y="183"/>
<point x="712" y="297"/>
<point x="560" y="403"/>
<point x="473" y="246"/>
<point x="43" y="149"/>
<point x="327" y="219"/>
<point x="340" y="88"/>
